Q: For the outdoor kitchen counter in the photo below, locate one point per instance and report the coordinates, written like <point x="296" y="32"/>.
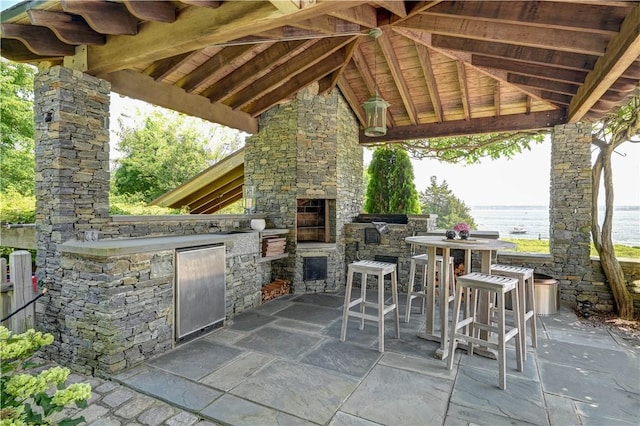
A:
<point x="116" y="247"/>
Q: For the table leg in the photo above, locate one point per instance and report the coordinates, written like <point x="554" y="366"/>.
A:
<point x="431" y="283"/>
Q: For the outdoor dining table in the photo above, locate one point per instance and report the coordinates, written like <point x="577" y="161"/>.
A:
<point x="486" y="246"/>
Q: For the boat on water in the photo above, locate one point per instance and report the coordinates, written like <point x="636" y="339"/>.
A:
<point x="518" y="230"/>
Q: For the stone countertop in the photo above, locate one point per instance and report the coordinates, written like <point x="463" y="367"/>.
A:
<point x="117" y="247"/>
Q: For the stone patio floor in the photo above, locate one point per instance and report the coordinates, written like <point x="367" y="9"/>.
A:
<point x="283" y="364"/>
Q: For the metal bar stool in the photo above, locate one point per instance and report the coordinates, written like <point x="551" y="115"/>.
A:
<point x="379" y="269"/>
<point x="498" y="286"/>
<point x="527" y="299"/>
<point x="423" y="260"/>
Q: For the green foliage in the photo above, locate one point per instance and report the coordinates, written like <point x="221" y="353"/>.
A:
<point x="17" y="159"/>
<point x="27" y="399"/>
<point x="17" y="208"/>
<point x="166" y="151"/>
<point x="391" y="188"/>
<point x="439" y="199"/>
<point x="542" y="246"/>
<point x="472" y="148"/>
<point x="134" y="204"/>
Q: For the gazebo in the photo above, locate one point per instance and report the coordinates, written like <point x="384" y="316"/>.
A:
<point x="295" y="74"/>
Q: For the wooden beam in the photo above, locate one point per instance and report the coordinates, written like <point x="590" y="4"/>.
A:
<point x="541" y="83"/>
<point x="286" y="5"/>
<point x="533" y="70"/>
<point x="104" y="17"/>
<point x="297" y="82"/>
<point x="211" y="4"/>
<point x="622" y="51"/>
<point x="398" y="8"/>
<point x="364" y="15"/>
<point x="396" y="73"/>
<point x="576" y="61"/>
<point x="139" y="86"/>
<point x="203" y="193"/>
<point x="333" y="79"/>
<point x="249" y="72"/>
<point x="556" y="39"/>
<point x="66" y="27"/>
<point x="315" y="53"/>
<point x="160" y="70"/>
<point x="464" y="90"/>
<point x="329" y="25"/>
<point x="502" y="124"/>
<point x="16" y="51"/>
<point x="159" y="11"/>
<point x="195" y="28"/>
<point x="430" y="80"/>
<point x="40" y="40"/>
<point x="352" y="99"/>
<point x="496" y="98"/>
<point x="557" y="98"/>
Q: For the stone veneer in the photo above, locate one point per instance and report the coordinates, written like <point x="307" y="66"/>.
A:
<point x="307" y="148"/>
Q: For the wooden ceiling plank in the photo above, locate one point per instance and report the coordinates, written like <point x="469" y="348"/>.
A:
<point x="104" y="17"/>
<point x="396" y="73"/>
<point x="598" y="18"/>
<point x="67" y="28"/>
<point x="430" y="80"/>
<point x="196" y="28"/>
<point x="398" y="8"/>
<point x="40" y="40"/>
<point x="204" y="72"/>
<point x="364" y="15"/>
<point x="464" y="89"/>
<point x="576" y="61"/>
<point x="622" y="51"/>
<point x="565" y="40"/>
<point x="317" y="51"/>
<point x="483" y="125"/>
<point x="139" y="86"/>
<point x="414" y="8"/>
<point x="352" y="99"/>
<point x="534" y="70"/>
<point x="247" y="73"/>
<point x="159" y="70"/>
<point x="541" y="83"/>
<point x="296" y="83"/>
<point x="159" y="11"/>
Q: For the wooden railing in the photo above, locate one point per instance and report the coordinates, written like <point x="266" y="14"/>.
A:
<point x="17" y="292"/>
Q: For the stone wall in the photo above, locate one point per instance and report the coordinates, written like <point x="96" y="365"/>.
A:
<point x="570" y="211"/>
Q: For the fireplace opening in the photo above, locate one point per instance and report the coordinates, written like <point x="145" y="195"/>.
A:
<point x="315" y="268"/>
<point x="315" y="220"/>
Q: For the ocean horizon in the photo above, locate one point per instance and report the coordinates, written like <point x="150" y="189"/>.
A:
<point x="535" y="219"/>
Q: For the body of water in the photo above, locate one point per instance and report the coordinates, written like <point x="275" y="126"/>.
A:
<point x="535" y="219"/>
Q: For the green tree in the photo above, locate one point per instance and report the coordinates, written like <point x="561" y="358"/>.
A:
<point x="166" y="151"/>
<point x="439" y="199"/>
<point x="17" y="158"/>
<point x="391" y="188"/>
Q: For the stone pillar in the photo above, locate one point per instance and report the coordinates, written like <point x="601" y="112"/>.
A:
<point x="307" y="148"/>
<point x="570" y="209"/>
<point x="72" y="180"/>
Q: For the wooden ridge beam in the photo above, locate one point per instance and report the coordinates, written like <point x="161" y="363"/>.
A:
<point x="501" y="124"/>
<point x="40" y="40"/>
<point x="104" y="17"/>
<point x="430" y="80"/>
<point x="621" y="52"/>
<point x="139" y="86"/>
<point x="556" y="39"/>
<point x="66" y="27"/>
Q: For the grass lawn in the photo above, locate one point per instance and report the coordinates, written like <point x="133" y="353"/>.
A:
<point x="542" y="246"/>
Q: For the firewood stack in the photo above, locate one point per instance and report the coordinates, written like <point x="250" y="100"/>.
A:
<point x="273" y="246"/>
<point x="275" y="289"/>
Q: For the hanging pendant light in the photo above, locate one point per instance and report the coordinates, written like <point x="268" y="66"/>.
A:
<point x="375" y="108"/>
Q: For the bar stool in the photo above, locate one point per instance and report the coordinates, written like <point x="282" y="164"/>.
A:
<point x="423" y="260"/>
<point x="496" y="286"/>
<point x="527" y="299"/>
<point x="379" y="269"/>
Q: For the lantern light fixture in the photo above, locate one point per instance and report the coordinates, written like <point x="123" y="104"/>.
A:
<point x="375" y="108"/>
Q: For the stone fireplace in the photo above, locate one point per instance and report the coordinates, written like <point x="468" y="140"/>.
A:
<point x="306" y="166"/>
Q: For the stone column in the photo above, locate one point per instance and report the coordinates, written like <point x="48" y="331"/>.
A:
<point x="72" y="180"/>
<point x="570" y="209"/>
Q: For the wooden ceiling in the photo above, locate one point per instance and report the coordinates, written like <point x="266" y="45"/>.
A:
<point x="445" y="67"/>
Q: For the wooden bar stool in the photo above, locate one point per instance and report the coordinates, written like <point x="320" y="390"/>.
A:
<point x="527" y="299"/>
<point x="423" y="260"/>
<point x="496" y="286"/>
<point x="379" y="269"/>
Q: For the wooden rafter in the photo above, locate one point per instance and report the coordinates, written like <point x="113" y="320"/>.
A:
<point x="103" y="17"/>
<point x="430" y="80"/>
<point x="398" y="78"/>
<point x="161" y="69"/>
<point x="16" y="51"/>
<point x="40" y="40"/>
<point x="352" y="99"/>
<point x="621" y="52"/>
<point x="333" y="79"/>
<point x="398" y="8"/>
<point x="544" y="84"/>
<point x="329" y="25"/>
<point x="502" y="124"/>
<point x="364" y="15"/>
<point x="151" y="11"/>
<point x="464" y="89"/>
<point x="534" y="70"/>
<point x="139" y="86"/>
<point x="496" y="98"/>
<point x="68" y="29"/>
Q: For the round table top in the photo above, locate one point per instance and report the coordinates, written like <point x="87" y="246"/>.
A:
<point x="470" y="244"/>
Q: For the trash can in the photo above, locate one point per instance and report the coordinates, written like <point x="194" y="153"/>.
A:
<point x="547" y="294"/>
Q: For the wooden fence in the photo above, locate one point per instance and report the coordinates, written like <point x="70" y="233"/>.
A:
<point x="17" y="292"/>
